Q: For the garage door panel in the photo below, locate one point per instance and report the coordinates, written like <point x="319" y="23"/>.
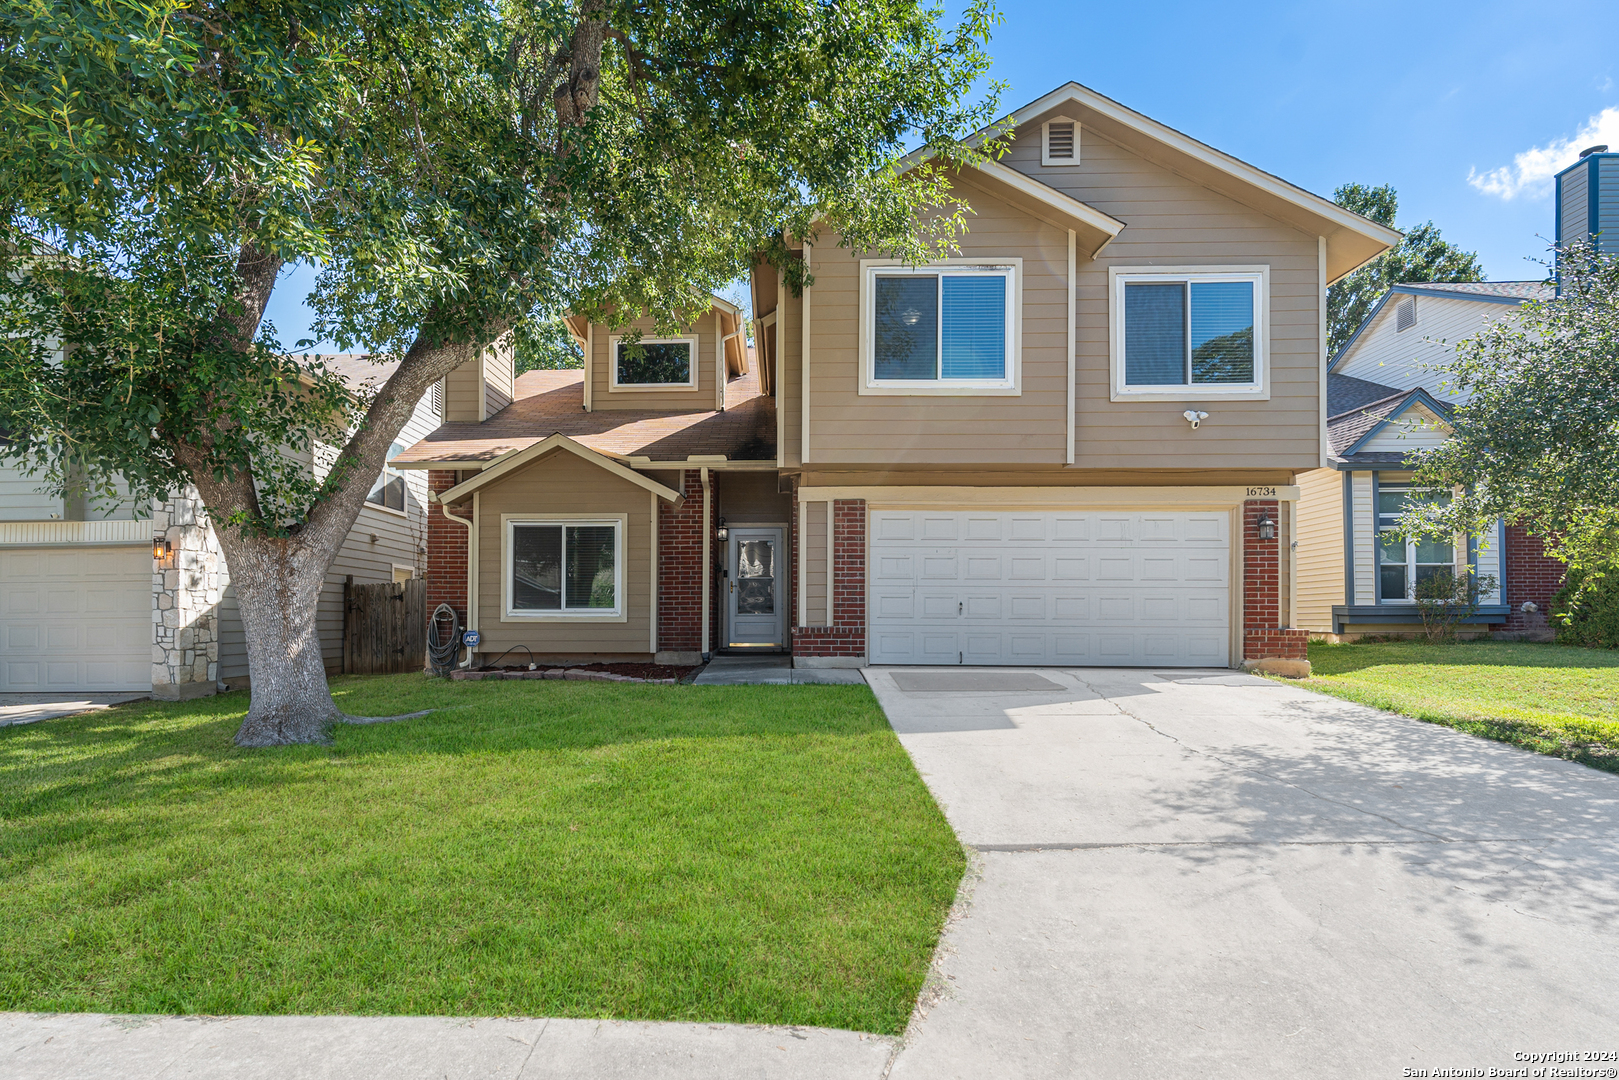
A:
<point x="80" y="619"/>
<point x="1155" y="588"/>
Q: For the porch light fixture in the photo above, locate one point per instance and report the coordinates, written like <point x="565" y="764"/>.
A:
<point x="1267" y="527"/>
<point x="722" y="534"/>
<point x="162" y="550"/>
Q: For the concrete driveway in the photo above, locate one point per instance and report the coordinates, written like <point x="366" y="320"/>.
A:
<point x="1211" y="874"/>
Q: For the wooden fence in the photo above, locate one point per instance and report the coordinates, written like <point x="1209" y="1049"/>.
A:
<point x="384" y="627"/>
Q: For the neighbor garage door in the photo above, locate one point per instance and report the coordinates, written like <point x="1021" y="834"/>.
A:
<point x="1050" y="587"/>
<point x="76" y="618"/>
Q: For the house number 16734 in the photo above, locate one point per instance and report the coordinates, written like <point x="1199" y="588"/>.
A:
<point x="1261" y="493"/>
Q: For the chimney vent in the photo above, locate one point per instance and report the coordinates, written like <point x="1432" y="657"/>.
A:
<point x="1589" y="150"/>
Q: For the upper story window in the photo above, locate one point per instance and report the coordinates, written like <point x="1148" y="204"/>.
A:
<point x="389" y="490"/>
<point x="1059" y="142"/>
<point x="1180" y="334"/>
<point x="948" y="328"/>
<point x="659" y="364"/>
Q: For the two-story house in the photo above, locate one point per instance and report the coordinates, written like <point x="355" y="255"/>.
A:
<point x="108" y="595"/>
<point x="1074" y="442"/>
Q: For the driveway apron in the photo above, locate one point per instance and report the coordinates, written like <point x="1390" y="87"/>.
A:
<point x="1212" y="874"/>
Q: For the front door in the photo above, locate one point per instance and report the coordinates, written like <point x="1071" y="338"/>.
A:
<point x="756" y="615"/>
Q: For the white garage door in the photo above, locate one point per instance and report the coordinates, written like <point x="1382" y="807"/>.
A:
<point x="1050" y="587"/>
<point x="76" y="618"/>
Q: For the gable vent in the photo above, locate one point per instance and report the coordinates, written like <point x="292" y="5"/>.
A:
<point x="1062" y="143"/>
<point x="1405" y="315"/>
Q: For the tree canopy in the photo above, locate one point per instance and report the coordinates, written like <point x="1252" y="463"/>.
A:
<point x="1537" y="443"/>
<point x="1422" y="256"/>
<point x="458" y="170"/>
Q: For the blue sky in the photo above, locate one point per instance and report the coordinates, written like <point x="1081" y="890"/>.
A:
<point x="1466" y="108"/>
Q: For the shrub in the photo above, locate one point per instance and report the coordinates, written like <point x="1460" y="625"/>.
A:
<point x="1586" y="609"/>
<point x="1446" y="597"/>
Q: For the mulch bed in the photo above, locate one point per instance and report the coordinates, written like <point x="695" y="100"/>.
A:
<point x="627" y="672"/>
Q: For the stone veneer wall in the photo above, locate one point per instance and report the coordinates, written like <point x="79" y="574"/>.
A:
<point x="185" y="601"/>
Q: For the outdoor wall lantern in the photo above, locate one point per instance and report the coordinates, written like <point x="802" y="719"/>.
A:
<point x="722" y="534"/>
<point x="1267" y="527"/>
<point x="162" y="550"/>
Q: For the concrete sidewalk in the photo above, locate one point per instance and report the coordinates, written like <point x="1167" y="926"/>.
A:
<point x="95" y="1047"/>
<point x="772" y="670"/>
<point x="28" y="708"/>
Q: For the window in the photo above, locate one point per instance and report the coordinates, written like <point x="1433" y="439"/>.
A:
<point x="1404" y="564"/>
<point x="563" y="568"/>
<point x="662" y="364"/>
<point x="1405" y="315"/>
<point x="1060" y="142"/>
<point x="948" y="328"/>
<point x="389" y="490"/>
<point x="1181" y="335"/>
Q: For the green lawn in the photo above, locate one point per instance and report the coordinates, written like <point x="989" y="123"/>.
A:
<point x="759" y="854"/>
<point x="1549" y="698"/>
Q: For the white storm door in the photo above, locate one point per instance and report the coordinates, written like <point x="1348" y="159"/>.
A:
<point x="1062" y="588"/>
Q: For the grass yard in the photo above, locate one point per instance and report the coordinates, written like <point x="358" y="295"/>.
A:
<point x="1549" y="698"/>
<point x="760" y="854"/>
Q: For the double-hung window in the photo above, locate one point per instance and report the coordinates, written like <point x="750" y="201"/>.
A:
<point x="560" y="568"/>
<point x="654" y="363"/>
<point x="1403" y="565"/>
<point x="1190" y="334"/>
<point x="950" y="328"/>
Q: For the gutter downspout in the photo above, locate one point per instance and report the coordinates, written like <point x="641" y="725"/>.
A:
<point x="804" y="363"/>
<point x="707" y="599"/>
<point x="444" y="508"/>
<point x="590" y="349"/>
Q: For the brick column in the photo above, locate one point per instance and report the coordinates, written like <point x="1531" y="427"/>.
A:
<point x="1264" y="635"/>
<point x="680" y="574"/>
<point x="446" y="551"/>
<point x="1531" y="577"/>
<point x="844" y="642"/>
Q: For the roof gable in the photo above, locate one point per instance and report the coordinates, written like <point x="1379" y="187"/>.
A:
<point x="519" y="459"/>
<point x="1368" y="429"/>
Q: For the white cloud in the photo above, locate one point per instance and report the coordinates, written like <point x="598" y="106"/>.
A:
<point x="1531" y="172"/>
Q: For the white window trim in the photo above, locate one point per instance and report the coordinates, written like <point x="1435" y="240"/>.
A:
<point x="388" y="471"/>
<point x="615" y="387"/>
<point x="1045" y="142"/>
<point x="1458" y="547"/>
<point x="1259" y="390"/>
<point x="619" y="612"/>
<point x="402" y="566"/>
<point x="1011" y="386"/>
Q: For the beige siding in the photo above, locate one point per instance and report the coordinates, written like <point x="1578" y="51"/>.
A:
<point x="789" y="383"/>
<point x="702" y="397"/>
<point x="1171" y="221"/>
<point x="1038" y="476"/>
<point x="751" y="498"/>
<point x="1364" y="537"/>
<point x="461" y="391"/>
<point x="815" y="561"/>
<point x="561" y="483"/>
<point x="498" y="376"/>
<point x="1320" y="515"/>
<point x="1403" y="358"/>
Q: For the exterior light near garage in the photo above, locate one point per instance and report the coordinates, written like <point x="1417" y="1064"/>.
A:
<point x="1267" y="527"/>
<point x="162" y="550"/>
<point x="722" y="534"/>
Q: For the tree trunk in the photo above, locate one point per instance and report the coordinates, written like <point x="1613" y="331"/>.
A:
<point x="278" y="584"/>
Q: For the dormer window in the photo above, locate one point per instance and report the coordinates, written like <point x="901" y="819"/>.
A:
<point x="1060" y="143"/>
<point x="1405" y="314"/>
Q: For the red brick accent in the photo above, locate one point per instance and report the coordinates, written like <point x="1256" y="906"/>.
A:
<point x="847" y="634"/>
<point x="680" y="568"/>
<point x="1531" y="575"/>
<point x="446" y="550"/>
<point x="1263" y="635"/>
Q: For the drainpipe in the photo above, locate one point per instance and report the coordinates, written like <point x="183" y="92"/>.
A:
<point x="444" y="508"/>
<point x="703" y="645"/>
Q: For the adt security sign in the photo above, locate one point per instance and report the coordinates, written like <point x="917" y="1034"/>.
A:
<point x="471" y="638"/>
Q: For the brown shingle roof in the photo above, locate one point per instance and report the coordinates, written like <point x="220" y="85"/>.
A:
<point x="552" y="402"/>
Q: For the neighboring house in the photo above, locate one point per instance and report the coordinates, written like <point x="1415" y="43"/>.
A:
<point x="1386" y="400"/>
<point x="1076" y="442"/>
<point x="91" y="604"/>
